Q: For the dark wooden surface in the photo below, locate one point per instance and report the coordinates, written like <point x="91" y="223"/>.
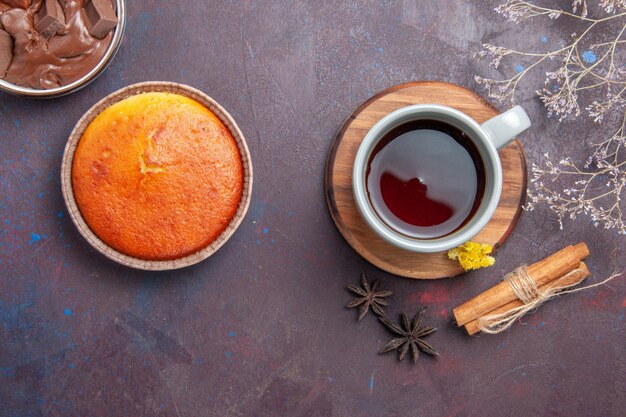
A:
<point x="260" y="329"/>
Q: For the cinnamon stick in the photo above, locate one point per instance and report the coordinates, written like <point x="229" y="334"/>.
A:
<point x="567" y="279"/>
<point x="544" y="271"/>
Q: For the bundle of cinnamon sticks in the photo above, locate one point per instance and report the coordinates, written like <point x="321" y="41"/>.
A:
<point x="562" y="269"/>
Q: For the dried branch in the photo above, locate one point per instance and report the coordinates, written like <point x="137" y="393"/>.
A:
<point x="593" y="187"/>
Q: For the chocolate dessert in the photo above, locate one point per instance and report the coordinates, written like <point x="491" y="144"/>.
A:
<point x="46" y="44"/>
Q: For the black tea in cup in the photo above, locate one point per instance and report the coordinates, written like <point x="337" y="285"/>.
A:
<point x="425" y="179"/>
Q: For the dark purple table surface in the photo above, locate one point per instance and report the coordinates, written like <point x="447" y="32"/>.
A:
<point x="260" y="328"/>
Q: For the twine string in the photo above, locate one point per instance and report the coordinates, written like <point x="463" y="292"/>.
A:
<point x="526" y="290"/>
<point x="524" y="287"/>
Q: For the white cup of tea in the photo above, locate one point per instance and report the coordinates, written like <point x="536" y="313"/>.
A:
<point x="428" y="178"/>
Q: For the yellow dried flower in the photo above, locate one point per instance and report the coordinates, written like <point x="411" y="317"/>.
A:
<point x="472" y="255"/>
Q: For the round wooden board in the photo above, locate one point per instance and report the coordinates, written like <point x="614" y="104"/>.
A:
<point x="339" y="180"/>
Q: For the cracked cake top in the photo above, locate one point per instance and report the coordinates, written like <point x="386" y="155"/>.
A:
<point x="157" y="176"/>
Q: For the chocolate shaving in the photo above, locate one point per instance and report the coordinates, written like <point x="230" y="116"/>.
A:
<point x="50" y="19"/>
<point x="101" y="17"/>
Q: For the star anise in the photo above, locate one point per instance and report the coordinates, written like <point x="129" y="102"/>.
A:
<point x="411" y="336"/>
<point x="369" y="296"/>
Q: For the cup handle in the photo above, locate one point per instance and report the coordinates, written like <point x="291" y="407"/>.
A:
<point x="503" y="128"/>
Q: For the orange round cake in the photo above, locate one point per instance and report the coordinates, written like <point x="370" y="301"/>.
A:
<point x="157" y="176"/>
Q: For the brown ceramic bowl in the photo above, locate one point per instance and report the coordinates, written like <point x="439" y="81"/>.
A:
<point x="68" y="193"/>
